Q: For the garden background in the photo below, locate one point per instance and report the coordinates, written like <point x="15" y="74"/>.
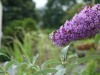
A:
<point x="26" y="32"/>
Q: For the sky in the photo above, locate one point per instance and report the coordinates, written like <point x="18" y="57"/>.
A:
<point x="40" y="3"/>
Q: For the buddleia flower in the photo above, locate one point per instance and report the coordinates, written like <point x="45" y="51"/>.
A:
<point x="83" y="25"/>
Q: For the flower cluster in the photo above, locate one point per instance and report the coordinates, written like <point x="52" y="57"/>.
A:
<point x="83" y="25"/>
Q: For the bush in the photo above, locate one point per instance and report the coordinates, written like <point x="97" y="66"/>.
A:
<point x="16" y="26"/>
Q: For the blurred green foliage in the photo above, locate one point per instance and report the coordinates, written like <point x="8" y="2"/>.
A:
<point x="90" y="68"/>
<point x="96" y="1"/>
<point x="15" y="27"/>
<point x="35" y="42"/>
<point x="55" y="12"/>
<point x="18" y="10"/>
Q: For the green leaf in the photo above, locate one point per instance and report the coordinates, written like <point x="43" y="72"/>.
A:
<point x="61" y="72"/>
<point x="63" y="54"/>
<point x="72" y="58"/>
<point x="45" y="71"/>
<point x="4" y="55"/>
<point x="34" y="59"/>
<point x="37" y="68"/>
<point x="87" y="58"/>
<point x="81" y="60"/>
<point x="31" y="65"/>
<point x="49" y="62"/>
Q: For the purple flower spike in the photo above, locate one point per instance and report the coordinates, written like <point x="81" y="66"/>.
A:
<point x="83" y="25"/>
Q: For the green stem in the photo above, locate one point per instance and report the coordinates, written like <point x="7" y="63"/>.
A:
<point x="64" y="56"/>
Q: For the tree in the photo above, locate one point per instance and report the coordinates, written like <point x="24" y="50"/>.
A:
<point x="18" y="10"/>
<point x="55" y="11"/>
<point x="76" y="8"/>
<point x="92" y="1"/>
